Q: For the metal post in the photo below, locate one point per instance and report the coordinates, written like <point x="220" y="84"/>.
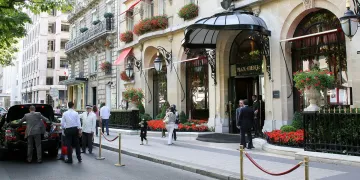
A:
<point x="99" y="157"/>
<point x="306" y="160"/>
<point x="230" y="113"/>
<point x="119" y="164"/>
<point x="241" y="162"/>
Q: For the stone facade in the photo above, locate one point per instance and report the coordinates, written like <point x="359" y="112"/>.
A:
<point x="281" y="16"/>
<point x="88" y="50"/>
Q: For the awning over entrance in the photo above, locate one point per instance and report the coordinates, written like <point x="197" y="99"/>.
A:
<point x="73" y="81"/>
<point x="131" y="7"/>
<point x="204" y="32"/>
<point x="122" y="56"/>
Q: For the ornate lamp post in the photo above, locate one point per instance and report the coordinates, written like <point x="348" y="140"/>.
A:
<point x="158" y="60"/>
<point x="350" y="20"/>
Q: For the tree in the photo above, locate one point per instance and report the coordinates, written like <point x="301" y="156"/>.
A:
<point x="13" y="20"/>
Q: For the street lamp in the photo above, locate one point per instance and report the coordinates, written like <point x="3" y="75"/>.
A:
<point x="158" y="60"/>
<point x="350" y="20"/>
<point x="129" y="70"/>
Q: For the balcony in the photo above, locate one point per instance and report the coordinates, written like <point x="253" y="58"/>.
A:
<point x="96" y="32"/>
<point x="80" y="9"/>
<point x="80" y="78"/>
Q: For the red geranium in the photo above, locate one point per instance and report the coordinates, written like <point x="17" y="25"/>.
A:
<point x="151" y="24"/>
<point x="286" y="138"/>
<point x="126" y="36"/>
<point x="157" y="125"/>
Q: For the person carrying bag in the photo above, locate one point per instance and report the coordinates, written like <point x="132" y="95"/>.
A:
<point x="169" y="121"/>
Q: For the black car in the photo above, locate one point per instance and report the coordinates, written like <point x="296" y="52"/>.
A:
<point x="12" y="135"/>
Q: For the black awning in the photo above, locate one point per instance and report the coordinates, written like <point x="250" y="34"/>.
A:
<point x="73" y="81"/>
<point x="204" y="32"/>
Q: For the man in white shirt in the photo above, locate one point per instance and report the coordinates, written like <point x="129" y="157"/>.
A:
<point x="105" y="115"/>
<point x="71" y="123"/>
<point x="88" y="128"/>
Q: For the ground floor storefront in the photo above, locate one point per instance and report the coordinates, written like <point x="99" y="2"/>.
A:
<point x="216" y="65"/>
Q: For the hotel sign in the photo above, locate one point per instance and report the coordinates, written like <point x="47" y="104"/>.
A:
<point x="245" y="69"/>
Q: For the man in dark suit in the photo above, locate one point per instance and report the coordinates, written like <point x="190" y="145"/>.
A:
<point x="34" y="129"/>
<point x="256" y="108"/>
<point x="246" y="122"/>
<point x="241" y="105"/>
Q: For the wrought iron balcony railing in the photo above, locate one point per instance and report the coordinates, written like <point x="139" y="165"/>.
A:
<point x="99" y="30"/>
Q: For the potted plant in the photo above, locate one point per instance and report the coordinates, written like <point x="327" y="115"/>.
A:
<point x="106" y="67"/>
<point x="96" y="22"/>
<point x="83" y="29"/>
<point x="151" y="24"/>
<point x="311" y="82"/>
<point x="255" y="55"/>
<point x="126" y="36"/>
<point x="108" y="16"/>
<point x="189" y="11"/>
<point x="134" y="96"/>
<point x="124" y="77"/>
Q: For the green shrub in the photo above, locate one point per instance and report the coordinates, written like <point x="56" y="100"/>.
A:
<point x="146" y="117"/>
<point x="297" y="122"/>
<point x="164" y="107"/>
<point x="182" y="117"/>
<point x="141" y="108"/>
<point x="287" y="128"/>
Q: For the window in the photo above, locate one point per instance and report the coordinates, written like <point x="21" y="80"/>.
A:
<point x="65" y="28"/>
<point x="82" y="23"/>
<point x="73" y="32"/>
<point x="62" y="44"/>
<point x="50" y="63"/>
<point x="62" y="78"/>
<point x="130" y="20"/>
<point x="94" y="15"/>
<point x="52" y="28"/>
<point x="192" y="1"/>
<point x="149" y="8"/>
<point x="52" y="12"/>
<point x="94" y="64"/>
<point x="162" y="7"/>
<point x="51" y="45"/>
<point x="108" y="7"/>
<point x="49" y="80"/>
<point x="63" y="63"/>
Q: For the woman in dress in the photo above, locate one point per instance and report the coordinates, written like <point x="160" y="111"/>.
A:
<point x="169" y="121"/>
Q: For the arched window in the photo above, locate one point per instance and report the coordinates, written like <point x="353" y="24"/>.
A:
<point x="326" y="51"/>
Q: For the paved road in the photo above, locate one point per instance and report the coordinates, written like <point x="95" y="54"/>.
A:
<point x="92" y="169"/>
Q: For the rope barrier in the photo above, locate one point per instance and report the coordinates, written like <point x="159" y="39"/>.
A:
<point x="108" y="139"/>
<point x="270" y="173"/>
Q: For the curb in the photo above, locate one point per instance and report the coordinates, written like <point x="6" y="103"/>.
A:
<point x="178" y="165"/>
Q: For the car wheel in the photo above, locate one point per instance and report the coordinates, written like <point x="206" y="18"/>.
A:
<point x="53" y="152"/>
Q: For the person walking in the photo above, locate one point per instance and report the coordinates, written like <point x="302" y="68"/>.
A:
<point x="143" y="130"/>
<point x="88" y="128"/>
<point x="105" y="115"/>
<point x="98" y="119"/>
<point x="246" y="122"/>
<point x="34" y="129"/>
<point x="169" y="120"/>
<point x="176" y="126"/>
<point x="72" y="125"/>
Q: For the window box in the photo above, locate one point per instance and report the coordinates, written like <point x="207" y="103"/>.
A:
<point x="124" y="77"/>
<point x="82" y="30"/>
<point x="108" y="15"/>
<point x="151" y="24"/>
<point x="126" y="36"/>
<point x="106" y="67"/>
<point x="189" y="11"/>
<point x="96" y="22"/>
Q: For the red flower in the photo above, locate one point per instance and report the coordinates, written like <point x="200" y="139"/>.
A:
<point x="307" y="79"/>
<point x="126" y="36"/>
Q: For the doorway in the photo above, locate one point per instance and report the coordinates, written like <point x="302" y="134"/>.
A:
<point x="94" y="100"/>
<point x="240" y="89"/>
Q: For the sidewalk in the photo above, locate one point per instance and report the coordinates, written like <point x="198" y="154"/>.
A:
<point x="222" y="160"/>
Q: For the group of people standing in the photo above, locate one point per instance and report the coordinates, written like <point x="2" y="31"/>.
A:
<point x="248" y="118"/>
<point x="73" y="129"/>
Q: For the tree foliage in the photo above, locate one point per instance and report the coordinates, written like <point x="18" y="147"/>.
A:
<point x="13" y="19"/>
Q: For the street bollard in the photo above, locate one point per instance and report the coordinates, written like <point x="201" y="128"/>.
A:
<point x="99" y="157"/>
<point x="306" y="162"/>
<point x="119" y="164"/>
<point x="241" y="162"/>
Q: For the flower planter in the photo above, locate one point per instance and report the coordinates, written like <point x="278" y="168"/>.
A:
<point x="312" y="94"/>
<point x="106" y="67"/>
<point x="151" y="24"/>
<point x="132" y="106"/>
<point x="133" y="95"/>
<point x="96" y="22"/>
<point x="82" y="30"/>
<point x="124" y="77"/>
<point x="126" y="37"/>
<point x="189" y="11"/>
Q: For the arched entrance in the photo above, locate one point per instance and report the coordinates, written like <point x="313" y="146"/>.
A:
<point x="159" y="89"/>
<point x="327" y="51"/>
<point x="247" y="65"/>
